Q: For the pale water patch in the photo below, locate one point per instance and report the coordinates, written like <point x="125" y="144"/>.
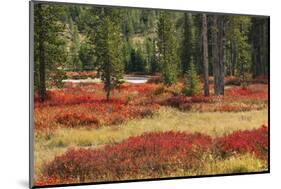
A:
<point x="128" y="79"/>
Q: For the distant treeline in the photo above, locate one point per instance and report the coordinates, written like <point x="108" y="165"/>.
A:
<point x="114" y="41"/>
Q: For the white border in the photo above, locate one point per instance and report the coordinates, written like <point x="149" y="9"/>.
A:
<point x="14" y="91"/>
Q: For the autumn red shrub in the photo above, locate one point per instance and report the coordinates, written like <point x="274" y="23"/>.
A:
<point x="176" y="101"/>
<point x="248" y="92"/>
<point x="75" y="119"/>
<point x="238" y="91"/>
<point x="261" y="79"/>
<point x="200" y="99"/>
<point x="93" y="114"/>
<point x="151" y="154"/>
<point x="141" y="88"/>
<point x="252" y="141"/>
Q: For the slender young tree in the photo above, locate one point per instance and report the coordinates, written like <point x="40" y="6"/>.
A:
<point x="167" y="46"/>
<point x="154" y="63"/>
<point x="205" y="55"/>
<point x="108" y="42"/>
<point x="236" y="35"/>
<point x="187" y="44"/>
<point x="197" y="43"/>
<point x="192" y="81"/>
<point x="74" y="49"/>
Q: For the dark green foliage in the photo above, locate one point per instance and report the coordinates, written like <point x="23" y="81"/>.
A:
<point x="187" y="43"/>
<point x="167" y="46"/>
<point x="137" y="61"/>
<point x="74" y="60"/>
<point x="258" y="36"/>
<point x="192" y="82"/>
<point x="108" y="48"/>
<point x="154" y="65"/>
<point x="112" y="41"/>
<point x="127" y="48"/>
<point x="237" y="30"/>
<point x="49" y="47"/>
<point x="86" y="55"/>
<point x="197" y="42"/>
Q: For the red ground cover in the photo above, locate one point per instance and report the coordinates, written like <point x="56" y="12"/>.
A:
<point x="235" y="99"/>
<point x="152" y="155"/>
<point x="85" y="106"/>
<point x="254" y="141"/>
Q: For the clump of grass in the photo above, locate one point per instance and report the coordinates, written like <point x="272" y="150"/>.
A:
<point x="236" y="164"/>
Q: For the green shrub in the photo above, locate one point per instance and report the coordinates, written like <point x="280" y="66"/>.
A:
<point x="192" y="82"/>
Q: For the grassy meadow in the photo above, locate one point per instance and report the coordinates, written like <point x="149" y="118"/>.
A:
<point x="137" y="110"/>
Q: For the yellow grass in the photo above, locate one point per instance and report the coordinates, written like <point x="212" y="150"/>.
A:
<point x="210" y="123"/>
<point x="239" y="164"/>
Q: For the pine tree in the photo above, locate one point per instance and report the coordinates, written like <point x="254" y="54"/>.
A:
<point x="187" y="44"/>
<point x="237" y="34"/>
<point x="108" y="42"/>
<point x="74" y="48"/>
<point x="192" y="81"/>
<point x="49" y="50"/>
<point x="167" y="46"/>
<point x="86" y="56"/>
<point x="197" y="43"/>
<point x="154" y="62"/>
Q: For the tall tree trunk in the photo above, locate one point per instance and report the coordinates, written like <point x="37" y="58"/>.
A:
<point x="107" y="95"/>
<point x="218" y="54"/>
<point x="42" y="66"/>
<point x="233" y="57"/>
<point x="205" y="55"/>
<point x="215" y="54"/>
<point x="259" y="46"/>
<point x="221" y="53"/>
<point x="265" y="46"/>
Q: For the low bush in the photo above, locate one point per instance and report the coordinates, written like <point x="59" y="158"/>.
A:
<point x="153" y="155"/>
<point x="75" y="120"/>
<point x="253" y="141"/>
<point x="192" y="82"/>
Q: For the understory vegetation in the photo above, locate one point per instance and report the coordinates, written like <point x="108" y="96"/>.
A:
<point x="144" y="123"/>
